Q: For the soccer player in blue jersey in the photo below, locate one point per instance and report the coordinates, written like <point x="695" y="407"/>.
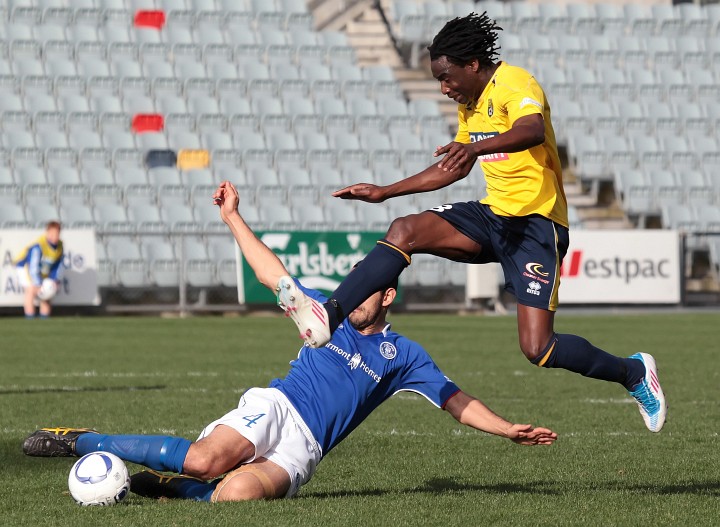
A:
<point x="504" y="124"/>
<point x="272" y="442"/>
<point x="40" y="260"/>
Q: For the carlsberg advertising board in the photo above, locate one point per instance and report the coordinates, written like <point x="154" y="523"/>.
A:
<point x="320" y="260"/>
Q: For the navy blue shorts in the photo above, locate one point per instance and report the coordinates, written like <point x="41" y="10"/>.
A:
<point x="530" y="249"/>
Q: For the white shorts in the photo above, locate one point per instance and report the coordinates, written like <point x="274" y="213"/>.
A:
<point x="266" y="418"/>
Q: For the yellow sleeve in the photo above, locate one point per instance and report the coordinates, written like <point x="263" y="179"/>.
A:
<point x="526" y="101"/>
<point x="462" y="136"/>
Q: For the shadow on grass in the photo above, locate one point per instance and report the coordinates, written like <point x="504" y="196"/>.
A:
<point x="445" y="486"/>
<point x="549" y="488"/>
<point x="72" y="389"/>
<point x="706" y="488"/>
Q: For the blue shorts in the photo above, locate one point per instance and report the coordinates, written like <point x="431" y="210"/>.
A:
<point x="530" y="249"/>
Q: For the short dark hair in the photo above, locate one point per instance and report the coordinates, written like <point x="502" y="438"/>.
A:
<point x="465" y="39"/>
<point x="52" y="225"/>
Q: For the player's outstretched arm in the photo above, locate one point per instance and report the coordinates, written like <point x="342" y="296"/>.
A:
<point x="432" y="178"/>
<point x="267" y="266"/>
<point x="472" y="412"/>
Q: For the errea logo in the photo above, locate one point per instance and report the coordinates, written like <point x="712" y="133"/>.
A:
<point x="534" y="288"/>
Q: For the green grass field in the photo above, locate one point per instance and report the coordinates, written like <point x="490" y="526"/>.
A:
<point x="409" y="464"/>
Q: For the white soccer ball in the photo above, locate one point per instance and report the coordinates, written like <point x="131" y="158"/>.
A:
<point x="99" y="478"/>
<point x="48" y="289"/>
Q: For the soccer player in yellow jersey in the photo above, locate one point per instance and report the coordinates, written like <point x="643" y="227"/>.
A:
<point x="504" y="123"/>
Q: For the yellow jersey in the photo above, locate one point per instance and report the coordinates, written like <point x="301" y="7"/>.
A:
<point x="518" y="183"/>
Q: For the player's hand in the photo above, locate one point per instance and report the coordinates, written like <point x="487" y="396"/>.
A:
<point x="527" y="435"/>
<point x="226" y="197"/>
<point x="361" y="192"/>
<point x="456" y="155"/>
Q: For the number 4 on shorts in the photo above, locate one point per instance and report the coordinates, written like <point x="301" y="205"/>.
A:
<point x="252" y="419"/>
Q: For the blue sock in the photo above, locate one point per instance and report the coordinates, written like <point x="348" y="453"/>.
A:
<point x="29" y="317"/>
<point x="576" y="354"/>
<point x="377" y="271"/>
<point x="156" y="452"/>
<point x="197" y="490"/>
<point x="43" y="317"/>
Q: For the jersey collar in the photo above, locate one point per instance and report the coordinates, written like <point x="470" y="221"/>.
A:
<point x="490" y="85"/>
<point x="385" y="330"/>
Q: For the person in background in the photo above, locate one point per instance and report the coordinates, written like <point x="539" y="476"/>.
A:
<point x="39" y="262"/>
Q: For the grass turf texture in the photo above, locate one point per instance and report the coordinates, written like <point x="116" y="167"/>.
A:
<point x="409" y="464"/>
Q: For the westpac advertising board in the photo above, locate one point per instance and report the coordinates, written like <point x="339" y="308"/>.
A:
<point x="320" y="260"/>
<point x="79" y="279"/>
<point x="621" y="267"/>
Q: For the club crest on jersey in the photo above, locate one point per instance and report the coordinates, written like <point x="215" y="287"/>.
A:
<point x="388" y="350"/>
<point x="355" y="361"/>
<point x="491" y="111"/>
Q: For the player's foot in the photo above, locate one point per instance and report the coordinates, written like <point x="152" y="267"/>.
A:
<point x="649" y="394"/>
<point x="54" y="442"/>
<point x="153" y="484"/>
<point x="309" y="315"/>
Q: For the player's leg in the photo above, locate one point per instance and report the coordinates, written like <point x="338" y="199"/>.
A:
<point x="29" y="301"/>
<point x="532" y="251"/>
<point x="426" y="232"/>
<point x="219" y="452"/>
<point x="261" y="479"/>
<point x="543" y="347"/>
<point x="45" y="309"/>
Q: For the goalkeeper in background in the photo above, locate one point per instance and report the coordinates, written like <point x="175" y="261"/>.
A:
<point x="39" y="262"/>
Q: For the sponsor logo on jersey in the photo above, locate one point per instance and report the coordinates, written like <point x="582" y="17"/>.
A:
<point x="355" y="361"/>
<point x="535" y="268"/>
<point x="388" y="350"/>
<point x="527" y="100"/>
<point x="489" y="158"/>
<point x="490" y="108"/>
<point x="534" y="288"/>
<point x="533" y="271"/>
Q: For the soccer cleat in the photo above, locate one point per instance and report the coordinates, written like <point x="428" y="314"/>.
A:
<point x="54" y="442"/>
<point x="649" y="394"/>
<point x="156" y="485"/>
<point x="309" y="315"/>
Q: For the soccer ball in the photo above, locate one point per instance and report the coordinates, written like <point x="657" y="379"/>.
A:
<point x="48" y="289"/>
<point x="99" y="478"/>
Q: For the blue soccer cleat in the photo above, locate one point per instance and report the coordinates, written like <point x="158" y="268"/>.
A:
<point x="649" y="394"/>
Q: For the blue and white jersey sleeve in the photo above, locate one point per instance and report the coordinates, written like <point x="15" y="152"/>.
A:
<point x="423" y="376"/>
<point x="34" y="261"/>
<point x="56" y="270"/>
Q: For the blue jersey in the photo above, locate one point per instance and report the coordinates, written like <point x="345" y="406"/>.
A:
<point x="336" y="387"/>
<point x="43" y="260"/>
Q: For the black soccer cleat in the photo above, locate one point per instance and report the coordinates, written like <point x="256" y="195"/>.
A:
<point x="54" y="442"/>
<point x="151" y="484"/>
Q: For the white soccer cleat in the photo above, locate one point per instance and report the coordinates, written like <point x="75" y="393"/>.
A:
<point x="309" y="315"/>
<point x="649" y="394"/>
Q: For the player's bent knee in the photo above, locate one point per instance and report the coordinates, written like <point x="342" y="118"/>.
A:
<point x="249" y="482"/>
<point x="401" y="230"/>
<point x="241" y="487"/>
<point x="532" y="349"/>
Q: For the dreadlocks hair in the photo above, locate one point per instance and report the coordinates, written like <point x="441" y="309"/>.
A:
<point x="462" y="40"/>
